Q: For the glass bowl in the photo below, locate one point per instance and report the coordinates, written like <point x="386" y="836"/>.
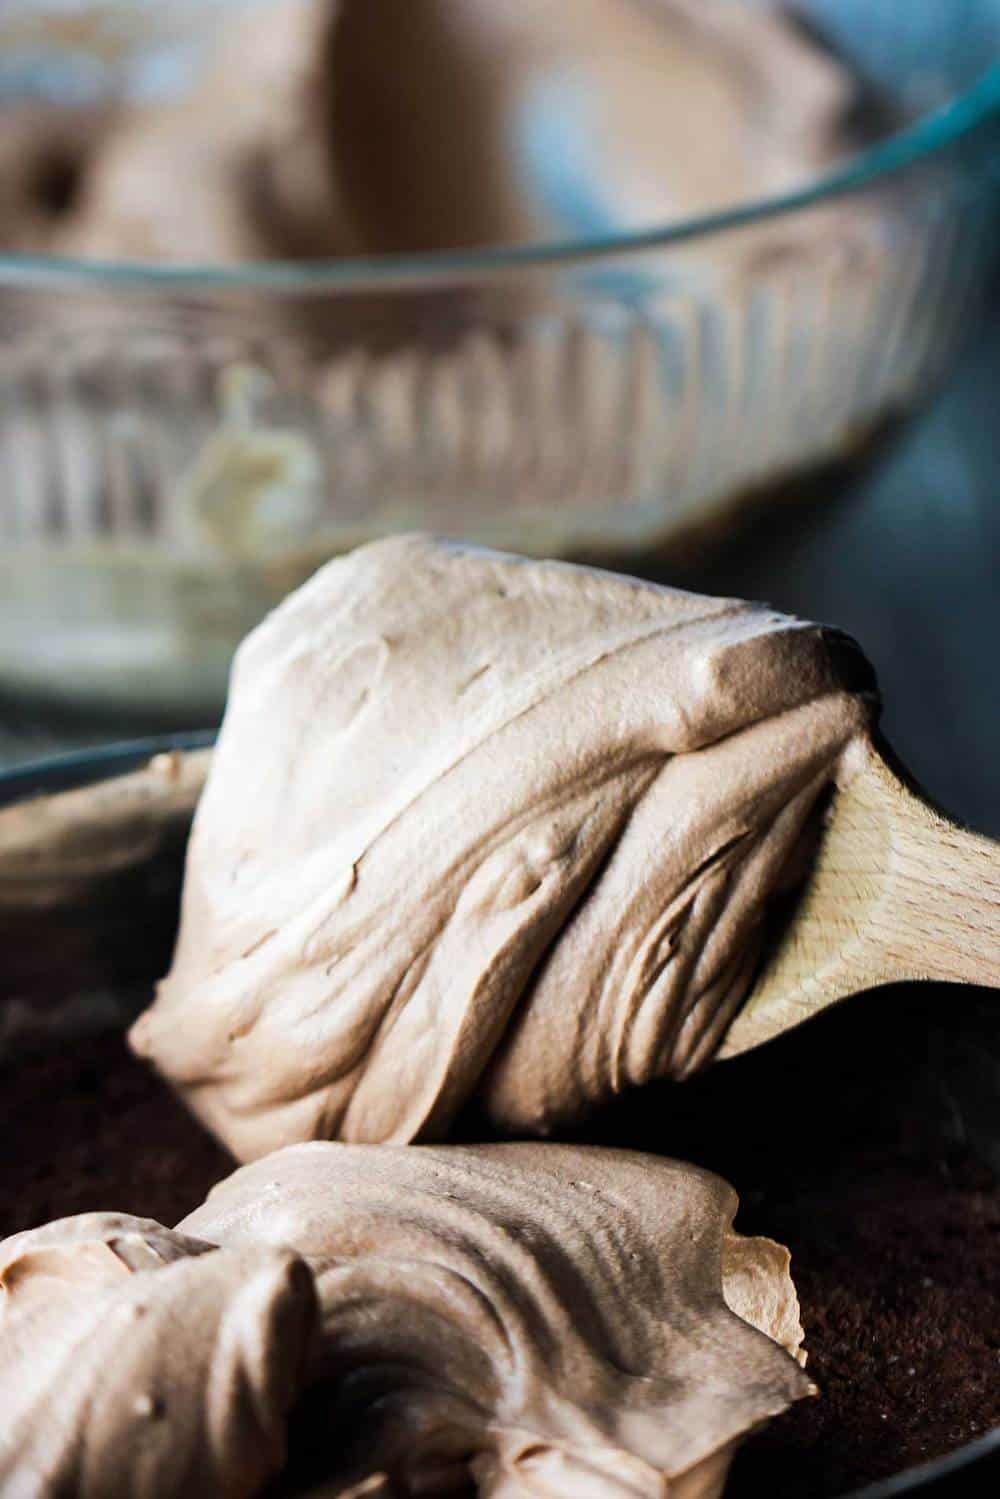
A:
<point x="182" y="444"/>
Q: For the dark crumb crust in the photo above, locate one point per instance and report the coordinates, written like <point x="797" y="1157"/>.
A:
<point x="93" y="1129"/>
<point x="862" y="1142"/>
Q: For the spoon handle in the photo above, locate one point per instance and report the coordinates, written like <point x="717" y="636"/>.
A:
<point x="941" y="917"/>
<point x="898" y="892"/>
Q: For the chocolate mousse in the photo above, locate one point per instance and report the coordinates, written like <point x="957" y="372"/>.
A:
<point x="550" y="1319"/>
<point x="482" y="826"/>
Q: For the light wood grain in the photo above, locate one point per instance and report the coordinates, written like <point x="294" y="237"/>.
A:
<point x="897" y="892"/>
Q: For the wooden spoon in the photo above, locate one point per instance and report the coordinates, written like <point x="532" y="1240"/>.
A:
<point x="896" y="890"/>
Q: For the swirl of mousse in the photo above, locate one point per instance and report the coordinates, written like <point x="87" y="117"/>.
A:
<point x="482" y="825"/>
<point x="248" y="139"/>
<point x="556" y="1321"/>
<point x="522" y="122"/>
<point x="138" y="1361"/>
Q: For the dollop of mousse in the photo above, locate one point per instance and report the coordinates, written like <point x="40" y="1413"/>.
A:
<point x="250" y="144"/>
<point x="336" y="127"/>
<point x="483" y="825"/>
<point x="465" y="123"/>
<point x="138" y="1361"/>
<point x="555" y="1321"/>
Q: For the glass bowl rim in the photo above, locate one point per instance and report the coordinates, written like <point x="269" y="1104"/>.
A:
<point x="931" y="136"/>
